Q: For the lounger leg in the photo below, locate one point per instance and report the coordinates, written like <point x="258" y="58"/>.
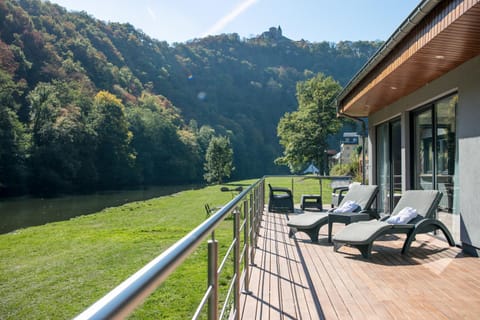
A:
<point x="408" y="241"/>
<point x="446" y="233"/>
<point x="337" y="245"/>
<point x="313" y="233"/>
<point x="292" y="232"/>
<point x="427" y="226"/>
<point x="330" y="223"/>
<point x="365" y="249"/>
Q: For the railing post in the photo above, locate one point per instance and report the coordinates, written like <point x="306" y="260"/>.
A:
<point x="236" y="267"/>
<point x="251" y="230"/>
<point x="246" y="263"/>
<point x="293" y="191"/>
<point x="259" y="212"/>
<point x="213" y="279"/>
<point x="261" y="190"/>
<point x="123" y="299"/>
<point x="253" y="208"/>
<point x="258" y="192"/>
<point x="256" y="221"/>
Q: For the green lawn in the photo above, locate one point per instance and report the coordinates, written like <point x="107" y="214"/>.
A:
<point x="57" y="270"/>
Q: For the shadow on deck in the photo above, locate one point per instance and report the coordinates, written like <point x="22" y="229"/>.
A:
<point x="296" y="279"/>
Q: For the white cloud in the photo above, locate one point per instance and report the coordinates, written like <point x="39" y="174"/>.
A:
<point x="231" y="16"/>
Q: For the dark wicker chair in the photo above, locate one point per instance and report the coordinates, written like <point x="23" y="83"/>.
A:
<point x="280" y="200"/>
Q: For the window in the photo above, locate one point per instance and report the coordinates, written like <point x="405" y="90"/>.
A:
<point x="434" y="156"/>
<point x="389" y="164"/>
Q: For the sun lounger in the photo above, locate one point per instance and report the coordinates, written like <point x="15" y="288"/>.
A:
<point x="310" y="223"/>
<point x="424" y="203"/>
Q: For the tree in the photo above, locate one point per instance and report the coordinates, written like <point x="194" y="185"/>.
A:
<point x="225" y="83"/>
<point x="13" y="151"/>
<point x="14" y="141"/>
<point x="61" y="154"/>
<point x="218" y="160"/>
<point x="204" y="136"/>
<point x="115" y="159"/>
<point x="166" y="150"/>
<point x="154" y="138"/>
<point x="303" y="133"/>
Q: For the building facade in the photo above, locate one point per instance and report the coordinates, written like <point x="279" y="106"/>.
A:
<point x="421" y="94"/>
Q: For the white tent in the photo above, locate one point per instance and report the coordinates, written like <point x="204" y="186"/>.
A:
<point x="311" y="169"/>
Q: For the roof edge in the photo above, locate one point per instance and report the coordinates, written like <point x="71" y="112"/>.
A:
<point x="417" y="15"/>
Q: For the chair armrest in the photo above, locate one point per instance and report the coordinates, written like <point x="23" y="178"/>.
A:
<point x="384" y="217"/>
<point x="338" y="195"/>
<point x="341" y="189"/>
<point x="280" y="189"/>
<point x="372" y="213"/>
<point x="277" y="190"/>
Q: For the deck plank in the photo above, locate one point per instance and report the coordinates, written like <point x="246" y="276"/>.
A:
<point x="292" y="278"/>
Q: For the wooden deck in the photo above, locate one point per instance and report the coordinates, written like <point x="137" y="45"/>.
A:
<point x="297" y="279"/>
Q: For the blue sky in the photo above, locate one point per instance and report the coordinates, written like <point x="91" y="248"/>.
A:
<point x="312" y="20"/>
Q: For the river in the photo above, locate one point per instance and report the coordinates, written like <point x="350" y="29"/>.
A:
<point x="16" y="213"/>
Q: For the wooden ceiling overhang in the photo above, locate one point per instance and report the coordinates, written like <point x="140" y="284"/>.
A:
<point x="445" y="37"/>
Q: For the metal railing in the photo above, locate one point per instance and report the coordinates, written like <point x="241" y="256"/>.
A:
<point x="246" y="209"/>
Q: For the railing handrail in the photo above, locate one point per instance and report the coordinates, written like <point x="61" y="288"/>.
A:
<point x="122" y="300"/>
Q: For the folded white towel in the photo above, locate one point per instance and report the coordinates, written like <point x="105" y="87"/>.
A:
<point x="348" y="206"/>
<point x="405" y="215"/>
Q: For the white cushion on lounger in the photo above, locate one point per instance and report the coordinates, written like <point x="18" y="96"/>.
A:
<point x="404" y="216"/>
<point x="348" y="206"/>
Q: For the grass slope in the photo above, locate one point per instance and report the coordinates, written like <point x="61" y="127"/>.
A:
<point x="57" y="270"/>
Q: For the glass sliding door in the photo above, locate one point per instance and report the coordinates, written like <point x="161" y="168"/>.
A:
<point x="445" y="154"/>
<point x="389" y="165"/>
<point x="423" y="172"/>
<point x="396" y="159"/>
<point x="383" y="168"/>
<point x="435" y="157"/>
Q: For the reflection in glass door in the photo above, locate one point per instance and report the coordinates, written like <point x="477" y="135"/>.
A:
<point x="389" y="165"/>
<point x="423" y="150"/>
<point x="434" y="157"/>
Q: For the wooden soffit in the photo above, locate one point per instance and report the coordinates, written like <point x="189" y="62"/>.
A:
<point x="446" y="37"/>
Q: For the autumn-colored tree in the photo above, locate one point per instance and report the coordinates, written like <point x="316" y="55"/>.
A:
<point x="61" y="155"/>
<point x="225" y="83"/>
<point x="114" y="156"/>
<point x="165" y="153"/>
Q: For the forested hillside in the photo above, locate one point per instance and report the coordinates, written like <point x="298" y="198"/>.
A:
<point x="88" y="105"/>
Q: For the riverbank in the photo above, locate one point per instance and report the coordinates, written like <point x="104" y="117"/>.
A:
<point x="23" y="212"/>
<point x="57" y="270"/>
